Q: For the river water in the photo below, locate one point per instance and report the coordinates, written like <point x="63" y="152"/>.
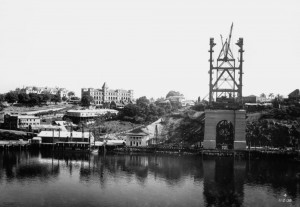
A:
<point x="43" y="179"/>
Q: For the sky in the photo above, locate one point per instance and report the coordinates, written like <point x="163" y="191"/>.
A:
<point x="149" y="46"/>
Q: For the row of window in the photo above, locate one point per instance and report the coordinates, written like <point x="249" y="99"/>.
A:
<point x="136" y="138"/>
<point x="110" y="98"/>
<point x="23" y="124"/>
<point x="110" y="94"/>
<point x="28" y="120"/>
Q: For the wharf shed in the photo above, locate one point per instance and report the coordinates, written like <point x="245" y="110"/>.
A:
<point x="66" y="137"/>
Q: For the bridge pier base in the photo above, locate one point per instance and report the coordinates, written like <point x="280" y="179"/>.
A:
<point x="236" y="117"/>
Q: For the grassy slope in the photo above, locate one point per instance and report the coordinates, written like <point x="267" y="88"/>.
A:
<point x="111" y="127"/>
<point x="19" y="109"/>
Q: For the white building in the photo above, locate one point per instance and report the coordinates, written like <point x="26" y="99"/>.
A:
<point x="145" y="136"/>
<point x="87" y="114"/>
<point x="137" y="137"/>
<point x="62" y="92"/>
<point x="188" y="103"/>
<point x="106" y="95"/>
<point x="66" y="137"/>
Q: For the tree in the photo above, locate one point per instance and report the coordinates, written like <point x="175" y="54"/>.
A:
<point x="23" y="98"/>
<point x="167" y="107"/>
<point x="18" y="90"/>
<point x="113" y="105"/>
<point x="161" y="111"/>
<point x="173" y="93"/>
<point x="71" y="93"/>
<point x="64" y="98"/>
<point x="275" y="103"/>
<point x="153" y="109"/>
<point x="46" y="97"/>
<point x="86" y="100"/>
<point x="75" y="98"/>
<point x="106" y="105"/>
<point x="263" y="95"/>
<point x="271" y="95"/>
<point x="11" y="97"/>
<point x="142" y="101"/>
<point x="34" y="99"/>
<point x="56" y="98"/>
<point x="198" y="107"/>
<point x="2" y="97"/>
<point x="176" y="106"/>
<point x="159" y="99"/>
<point x="130" y="110"/>
<point x="279" y="97"/>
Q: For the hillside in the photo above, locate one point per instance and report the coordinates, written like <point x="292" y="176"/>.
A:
<point x="270" y="128"/>
<point x="184" y="128"/>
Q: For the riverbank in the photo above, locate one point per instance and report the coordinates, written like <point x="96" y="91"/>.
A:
<point x="253" y="154"/>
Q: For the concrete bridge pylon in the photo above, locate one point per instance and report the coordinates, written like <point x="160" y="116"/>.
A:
<point x="236" y="117"/>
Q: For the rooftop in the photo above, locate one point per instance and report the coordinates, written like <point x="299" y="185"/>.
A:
<point x="141" y="131"/>
<point x="65" y="134"/>
<point x="93" y="111"/>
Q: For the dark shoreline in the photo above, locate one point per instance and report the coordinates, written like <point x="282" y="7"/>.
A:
<point x="249" y="154"/>
<point x="239" y="154"/>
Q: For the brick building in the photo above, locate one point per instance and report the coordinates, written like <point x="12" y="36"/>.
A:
<point x="106" y="95"/>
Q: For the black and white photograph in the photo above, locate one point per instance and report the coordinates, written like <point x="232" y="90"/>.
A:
<point x="149" y="103"/>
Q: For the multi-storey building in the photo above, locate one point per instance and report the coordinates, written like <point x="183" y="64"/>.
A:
<point x="106" y="95"/>
<point x="20" y="121"/>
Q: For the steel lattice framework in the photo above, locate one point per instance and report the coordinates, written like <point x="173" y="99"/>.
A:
<point x="226" y="79"/>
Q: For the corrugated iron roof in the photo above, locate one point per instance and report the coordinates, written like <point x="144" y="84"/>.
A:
<point x="65" y="134"/>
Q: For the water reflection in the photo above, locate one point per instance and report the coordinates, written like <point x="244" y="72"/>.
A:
<point x="223" y="182"/>
<point x="145" y="180"/>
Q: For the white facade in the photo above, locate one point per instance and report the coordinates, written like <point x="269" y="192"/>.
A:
<point x="90" y="113"/>
<point x="62" y="92"/>
<point x="137" y="137"/>
<point x="136" y="140"/>
<point x="25" y="121"/>
<point x="187" y="103"/>
<point x="104" y="95"/>
<point x="63" y="135"/>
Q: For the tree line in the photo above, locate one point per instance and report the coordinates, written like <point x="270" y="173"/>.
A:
<point x="145" y="112"/>
<point x="268" y="133"/>
<point x="31" y="99"/>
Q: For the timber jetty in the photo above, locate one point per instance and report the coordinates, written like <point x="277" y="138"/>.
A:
<point x="14" y="144"/>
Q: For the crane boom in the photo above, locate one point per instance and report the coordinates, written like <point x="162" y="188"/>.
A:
<point x="228" y="43"/>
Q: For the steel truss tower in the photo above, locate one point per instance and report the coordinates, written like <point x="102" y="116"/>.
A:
<point x="225" y="78"/>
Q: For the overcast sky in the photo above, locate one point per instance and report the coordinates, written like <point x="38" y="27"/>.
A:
<point x="150" y="46"/>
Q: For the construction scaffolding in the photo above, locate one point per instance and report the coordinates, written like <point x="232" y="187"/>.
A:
<point x="225" y="77"/>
